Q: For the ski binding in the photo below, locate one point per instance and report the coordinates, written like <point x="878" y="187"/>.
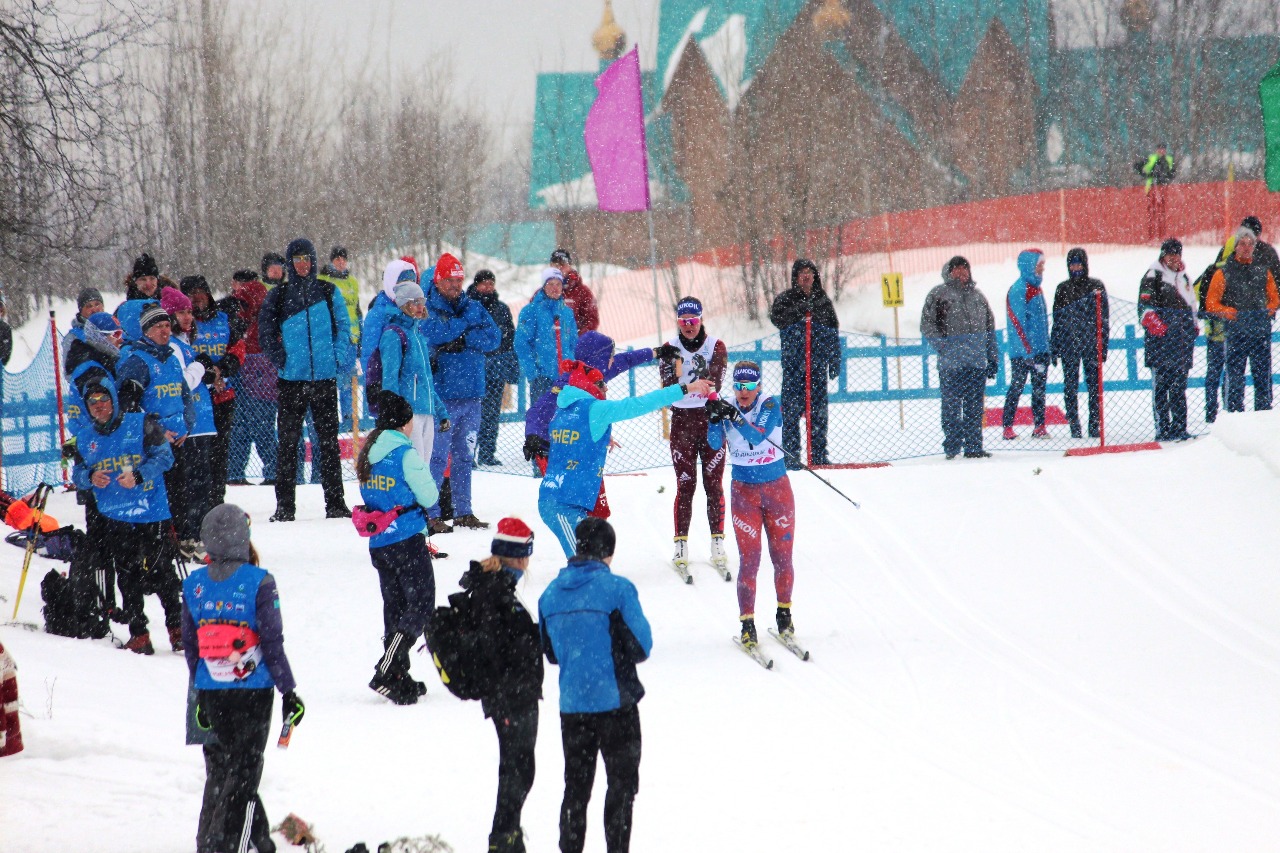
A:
<point x="790" y="642"/>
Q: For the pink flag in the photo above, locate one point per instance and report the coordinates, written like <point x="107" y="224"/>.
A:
<point x="615" y="137"/>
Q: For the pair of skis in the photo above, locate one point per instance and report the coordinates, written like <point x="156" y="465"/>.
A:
<point x="682" y="569"/>
<point x="757" y="654"/>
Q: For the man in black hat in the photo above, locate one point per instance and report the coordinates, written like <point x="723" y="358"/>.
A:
<point x="1166" y="309"/>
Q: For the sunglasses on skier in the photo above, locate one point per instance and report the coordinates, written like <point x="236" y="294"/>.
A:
<point x="745" y="386"/>
<point x="689" y="322"/>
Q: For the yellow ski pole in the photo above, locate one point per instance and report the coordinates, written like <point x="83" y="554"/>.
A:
<point x="38" y="501"/>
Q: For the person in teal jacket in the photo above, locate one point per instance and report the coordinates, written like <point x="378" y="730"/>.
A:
<point x="395" y="481"/>
<point x="546" y="334"/>
<point x="406" y="366"/>
<point x="1028" y="336"/>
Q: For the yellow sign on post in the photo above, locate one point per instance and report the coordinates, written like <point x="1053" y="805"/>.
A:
<point x="891" y="289"/>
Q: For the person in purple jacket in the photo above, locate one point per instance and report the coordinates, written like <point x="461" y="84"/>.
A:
<point x="234" y="645"/>
<point x="594" y="350"/>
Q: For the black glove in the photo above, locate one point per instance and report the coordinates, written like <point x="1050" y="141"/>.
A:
<point x="834" y="370"/>
<point x="720" y="410"/>
<point x="445" y="424"/>
<point x="991" y="371"/>
<point x="130" y="396"/>
<point x="666" y="351"/>
<point x="203" y="723"/>
<point x="69" y="448"/>
<point x="292" y="707"/>
<point x="457" y="345"/>
<point x="203" y="358"/>
<point x="535" y="446"/>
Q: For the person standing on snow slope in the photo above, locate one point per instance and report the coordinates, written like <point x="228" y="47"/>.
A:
<point x="596" y="352"/>
<point x="1028" y="342"/>
<point x="580" y="434"/>
<point x="761" y="497"/>
<point x="1074" y="340"/>
<point x="703" y="357"/>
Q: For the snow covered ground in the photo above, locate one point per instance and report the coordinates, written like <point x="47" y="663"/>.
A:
<point x="1031" y="653"/>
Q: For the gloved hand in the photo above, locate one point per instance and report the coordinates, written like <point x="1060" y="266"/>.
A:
<point x="666" y="351"/>
<point x="834" y="370"/>
<point x="535" y="446"/>
<point x="203" y="723"/>
<point x="992" y="369"/>
<point x="1154" y="325"/>
<point x="1053" y="359"/>
<point x="291" y="705"/>
<point x="445" y="423"/>
<point x="457" y="345"/>
<point x="69" y="448"/>
<point x="722" y="410"/>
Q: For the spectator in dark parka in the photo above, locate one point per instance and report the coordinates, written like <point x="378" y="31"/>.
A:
<point x="511" y="698"/>
<point x="501" y="367"/>
<point x="579" y="298"/>
<point x="1074" y="339"/>
<point x="1167" y="311"/>
<point x="594" y="629"/>
<point x="303" y="329"/>
<point x="1243" y="293"/>
<point x="957" y="322"/>
<point x="807" y="322"/>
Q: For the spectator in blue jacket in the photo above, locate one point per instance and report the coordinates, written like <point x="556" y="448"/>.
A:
<point x="594" y="629"/>
<point x="461" y="332"/>
<point x="303" y="329"/>
<point x="546" y="334"/>
<point x="406" y="364"/>
<point x="382" y="307"/>
<point x="1028" y="335"/>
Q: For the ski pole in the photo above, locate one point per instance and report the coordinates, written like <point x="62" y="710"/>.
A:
<point x="824" y="480"/>
<point x="38" y="501"/>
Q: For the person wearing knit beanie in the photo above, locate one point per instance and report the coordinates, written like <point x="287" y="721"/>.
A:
<point x="152" y="314"/>
<point x="173" y="300"/>
<point x="89" y="298"/>
<point x="513" y="687"/>
<point x="397" y="487"/>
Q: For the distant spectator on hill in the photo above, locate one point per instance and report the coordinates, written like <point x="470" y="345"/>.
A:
<point x="1159" y="170"/>
<point x="577" y="295"/>
<point x="809" y="328"/>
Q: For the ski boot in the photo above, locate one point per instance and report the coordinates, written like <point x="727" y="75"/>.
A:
<point x="785" y="626"/>
<point x="1009" y="434"/>
<point x="391" y="676"/>
<point x="719" y="559"/>
<point x="680" y="562"/>
<point x="175" y="638"/>
<point x="1040" y="432"/>
<point x="749" y="638"/>
<point x="140" y="644"/>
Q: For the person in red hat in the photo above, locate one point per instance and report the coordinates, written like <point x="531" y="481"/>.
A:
<point x="512" y="696"/>
<point x="460" y="332"/>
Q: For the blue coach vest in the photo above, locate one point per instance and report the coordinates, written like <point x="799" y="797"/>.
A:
<point x="232" y="602"/>
<point x="146" y="501"/>
<point x="213" y="336"/>
<point x="163" y="396"/>
<point x="575" y="465"/>
<point x="386" y="489"/>
<point x="201" y="399"/>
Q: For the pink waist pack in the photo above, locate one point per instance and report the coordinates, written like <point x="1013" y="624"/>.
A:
<point x="370" y="522"/>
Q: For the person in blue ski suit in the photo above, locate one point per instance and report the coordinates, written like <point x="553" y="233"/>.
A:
<point x="546" y="334"/>
<point x="580" y="434"/>
<point x="595" y="631"/>
<point x="1028" y="335"/>
<point x="406" y="364"/>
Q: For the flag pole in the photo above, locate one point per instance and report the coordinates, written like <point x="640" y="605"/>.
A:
<point x="653" y="264"/>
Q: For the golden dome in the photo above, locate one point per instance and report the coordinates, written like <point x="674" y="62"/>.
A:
<point x="609" y="40"/>
<point x="831" y="18"/>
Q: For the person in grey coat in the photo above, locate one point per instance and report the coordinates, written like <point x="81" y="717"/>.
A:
<point x="958" y="323"/>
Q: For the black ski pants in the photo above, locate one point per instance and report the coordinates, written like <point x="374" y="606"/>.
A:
<point x="1071" y="364"/>
<point x="241" y="720"/>
<point x="295" y="399"/>
<point x="517" y="736"/>
<point x="794" y="402"/>
<point x="614" y="735"/>
<point x="223" y="415"/>
<point x="408" y="585"/>
<point x="142" y="558"/>
<point x="1169" y="402"/>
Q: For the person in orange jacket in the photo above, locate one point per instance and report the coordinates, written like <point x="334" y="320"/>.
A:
<point x="1243" y="294"/>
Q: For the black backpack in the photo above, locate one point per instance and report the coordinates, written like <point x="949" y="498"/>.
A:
<point x="460" y="648"/>
<point x="74" y="604"/>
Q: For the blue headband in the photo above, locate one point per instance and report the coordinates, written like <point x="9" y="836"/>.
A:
<point x="746" y="373"/>
<point x="690" y="306"/>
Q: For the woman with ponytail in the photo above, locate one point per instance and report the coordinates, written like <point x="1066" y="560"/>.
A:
<point x="397" y="488"/>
